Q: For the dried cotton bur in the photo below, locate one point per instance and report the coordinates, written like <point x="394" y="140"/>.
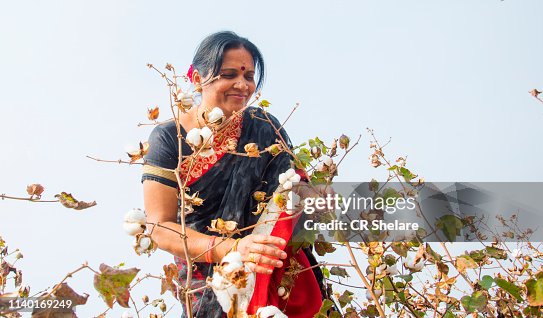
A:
<point x="233" y="284"/>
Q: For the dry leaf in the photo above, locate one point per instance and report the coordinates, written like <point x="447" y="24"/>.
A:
<point x="113" y="284"/>
<point x="223" y="227"/>
<point x="252" y="150"/>
<point x="35" y="189"/>
<point x="67" y="200"/>
<point x="137" y="155"/>
<point x="62" y="293"/>
<point x="152" y="114"/>
<point x="535" y="93"/>
<point x="167" y="282"/>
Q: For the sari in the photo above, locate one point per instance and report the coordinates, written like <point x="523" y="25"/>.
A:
<point x="226" y="182"/>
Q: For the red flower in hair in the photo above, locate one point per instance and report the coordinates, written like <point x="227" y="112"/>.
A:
<point x="189" y="73"/>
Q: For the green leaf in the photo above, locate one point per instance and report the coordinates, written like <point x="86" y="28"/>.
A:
<point x="334" y="314"/>
<point x="535" y="291"/>
<point x="339" y="271"/>
<point x="406" y="174"/>
<point x="509" y="287"/>
<point x="496" y="253"/>
<point x="406" y="278"/>
<point x="431" y="255"/>
<point x="374" y="185"/>
<point x="478" y="256"/>
<point x="476" y="302"/>
<point x="304" y="157"/>
<point x="345" y="298"/>
<point x="394" y="167"/>
<point x="113" y="284"/>
<point x="400" y="248"/>
<point x="448" y="314"/>
<point x="450" y="225"/>
<point x="486" y="282"/>
<point x="389" y="291"/>
<point x="326" y="272"/>
<point x="323" y="312"/>
<point x="390" y="193"/>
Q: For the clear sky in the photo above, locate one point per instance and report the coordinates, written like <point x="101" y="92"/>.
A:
<point x="448" y="81"/>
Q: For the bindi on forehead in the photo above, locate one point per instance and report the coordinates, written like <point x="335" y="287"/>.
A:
<point x="243" y="68"/>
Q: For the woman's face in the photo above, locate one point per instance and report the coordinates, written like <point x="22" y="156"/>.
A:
<point x="231" y="92"/>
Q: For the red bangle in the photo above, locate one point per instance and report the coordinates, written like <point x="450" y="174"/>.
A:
<point x="210" y="246"/>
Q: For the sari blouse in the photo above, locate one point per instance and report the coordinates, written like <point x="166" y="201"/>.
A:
<point x="226" y="182"/>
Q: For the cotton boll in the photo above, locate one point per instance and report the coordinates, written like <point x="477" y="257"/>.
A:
<point x="207" y="135"/>
<point x="328" y="161"/>
<point x="133" y="228"/>
<point x="392" y="270"/>
<point x="282" y="178"/>
<point x="127" y="314"/>
<point x="215" y="115"/>
<point x="194" y="137"/>
<point x="377" y="292"/>
<point x="207" y="152"/>
<point x="225" y="289"/>
<point x="135" y="216"/>
<point x="270" y="312"/>
<point x="287" y="185"/>
<point x="290" y="173"/>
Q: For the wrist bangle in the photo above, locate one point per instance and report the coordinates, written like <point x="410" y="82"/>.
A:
<point x="235" y="246"/>
<point x="210" y="246"/>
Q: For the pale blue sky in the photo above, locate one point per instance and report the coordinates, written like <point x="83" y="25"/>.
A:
<point x="448" y="81"/>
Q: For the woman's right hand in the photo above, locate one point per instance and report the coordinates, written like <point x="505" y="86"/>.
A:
<point x="262" y="252"/>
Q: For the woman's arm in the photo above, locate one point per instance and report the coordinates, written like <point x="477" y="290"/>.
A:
<point x="161" y="207"/>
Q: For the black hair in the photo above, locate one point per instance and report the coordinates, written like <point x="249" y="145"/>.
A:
<point x="209" y="54"/>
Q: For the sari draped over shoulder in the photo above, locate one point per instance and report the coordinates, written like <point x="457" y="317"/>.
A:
<point x="226" y="182"/>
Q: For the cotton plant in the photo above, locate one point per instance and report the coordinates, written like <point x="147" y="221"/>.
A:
<point x="233" y="282"/>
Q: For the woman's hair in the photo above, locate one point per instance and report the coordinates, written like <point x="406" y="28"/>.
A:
<point x="209" y="55"/>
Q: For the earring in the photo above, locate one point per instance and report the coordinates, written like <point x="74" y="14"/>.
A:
<point x="198" y="88"/>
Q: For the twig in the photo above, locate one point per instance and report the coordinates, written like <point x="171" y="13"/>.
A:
<point x="365" y="281"/>
<point x="117" y="161"/>
<point x="31" y="199"/>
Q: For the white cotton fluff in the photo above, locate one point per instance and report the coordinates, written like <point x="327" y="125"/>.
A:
<point x="194" y="137"/>
<point x="215" y="115"/>
<point x="133" y="228"/>
<point x="143" y="245"/>
<point x="127" y="314"/>
<point x="135" y="216"/>
<point x="134" y="221"/>
<point x="207" y="135"/>
<point x="287" y="178"/>
<point x="225" y="290"/>
<point x="409" y="263"/>
<point x="270" y="312"/>
<point x="377" y="292"/>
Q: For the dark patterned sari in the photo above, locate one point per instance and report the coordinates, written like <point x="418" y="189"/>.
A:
<point x="227" y="182"/>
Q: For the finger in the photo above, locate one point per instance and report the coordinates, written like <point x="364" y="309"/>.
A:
<point x="259" y="269"/>
<point x="268" y="239"/>
<point x="270" y="250"/>
<point x="260" y="259"/>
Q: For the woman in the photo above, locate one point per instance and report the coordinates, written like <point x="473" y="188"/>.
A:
<point x="224" y="68"/>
